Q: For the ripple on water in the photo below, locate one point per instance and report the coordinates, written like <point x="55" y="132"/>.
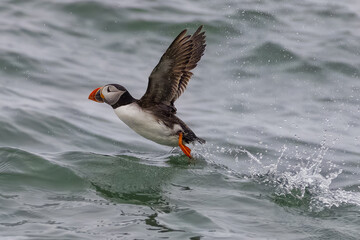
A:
<point x="40" y="130"/>
<point x="270" y="53"/>
<point x="122" y="178"/>
<point x="306" y="67"/>
<point x="336" y="11"/>
<point x="344" y="68"/>
<point x="256" y="17"/>
<point x="15" y="136"/>
<point x="89" y="9"/>
<point x="44" y="192"/>
<point x="13" y="63"/>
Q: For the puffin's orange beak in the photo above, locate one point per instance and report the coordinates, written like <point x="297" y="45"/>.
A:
<point x="96" y="95"/>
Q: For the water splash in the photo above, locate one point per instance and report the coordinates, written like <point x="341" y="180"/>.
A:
<point x="301" y="182"/>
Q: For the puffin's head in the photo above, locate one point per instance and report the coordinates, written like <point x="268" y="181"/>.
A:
<point x="109" y="94"/>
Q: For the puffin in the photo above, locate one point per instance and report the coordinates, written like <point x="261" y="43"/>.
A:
<point x="153" y="116"/>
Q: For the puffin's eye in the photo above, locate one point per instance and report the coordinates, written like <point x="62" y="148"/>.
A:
<point x="108" y="89"/>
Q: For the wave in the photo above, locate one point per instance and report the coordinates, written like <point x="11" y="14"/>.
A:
<point x="270" y="53"/>
<point x="22" y="171"/>
<point x="121" y="178"/>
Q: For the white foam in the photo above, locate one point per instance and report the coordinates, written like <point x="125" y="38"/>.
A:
<point x="302" y="178"/>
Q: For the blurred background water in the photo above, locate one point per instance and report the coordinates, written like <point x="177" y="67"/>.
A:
<point x="276" y="96"/>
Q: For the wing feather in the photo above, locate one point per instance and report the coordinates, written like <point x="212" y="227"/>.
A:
<point x="171" y="75"/>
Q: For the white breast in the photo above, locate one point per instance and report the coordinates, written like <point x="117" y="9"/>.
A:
<point x="145" y="124"/>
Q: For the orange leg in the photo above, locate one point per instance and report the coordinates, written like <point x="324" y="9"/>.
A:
<point x="184" y="148"/>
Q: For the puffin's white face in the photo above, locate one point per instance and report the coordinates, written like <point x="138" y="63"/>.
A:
<point x="109" y="94"/>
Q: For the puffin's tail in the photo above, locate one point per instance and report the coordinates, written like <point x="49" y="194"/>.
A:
<point x="200" y="140"/>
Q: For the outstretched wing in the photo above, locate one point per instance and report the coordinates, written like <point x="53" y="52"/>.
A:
<point x="171" y="75"/>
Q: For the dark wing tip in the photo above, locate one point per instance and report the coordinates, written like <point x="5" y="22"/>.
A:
<point x="183" y="32"/>
<point x="199" y="29"/>
<point x="179" y="38"/>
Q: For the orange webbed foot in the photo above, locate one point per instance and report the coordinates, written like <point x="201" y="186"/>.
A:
<point x="184" y="148"/>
